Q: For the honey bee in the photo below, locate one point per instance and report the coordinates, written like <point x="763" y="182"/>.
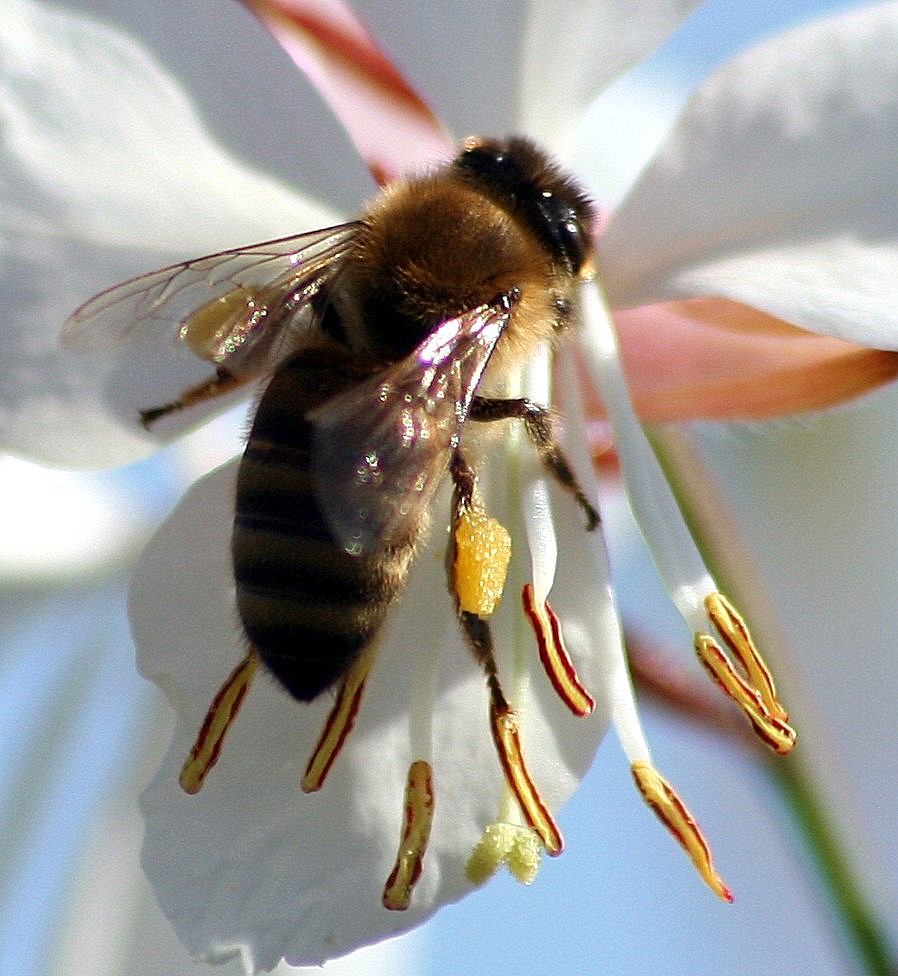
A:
<point x="382" y="339"/>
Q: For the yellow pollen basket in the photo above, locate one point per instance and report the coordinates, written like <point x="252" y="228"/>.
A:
<point x="482" y="554"/>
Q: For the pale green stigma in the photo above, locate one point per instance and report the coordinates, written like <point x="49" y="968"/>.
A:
<point x="513" y="845"/>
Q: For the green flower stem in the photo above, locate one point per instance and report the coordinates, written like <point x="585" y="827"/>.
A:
<point x="857" y="918"/>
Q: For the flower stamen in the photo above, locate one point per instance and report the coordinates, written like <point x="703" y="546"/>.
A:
<point x="679" y="562"/>
<point x="674" y="814"/>
<point x="554" y="655"/>
<point x="339" y="724"/>
<point x="482" y="552"/>
<point x="416" y="824"/>
<point x="224" y="708"/>
<point x="754" y="692"/>
<point x="504" y="724"/>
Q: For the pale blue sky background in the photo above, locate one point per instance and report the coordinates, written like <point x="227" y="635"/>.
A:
<point x="622" y="901"/>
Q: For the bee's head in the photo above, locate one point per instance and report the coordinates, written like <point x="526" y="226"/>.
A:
<point x="518" y="176"/>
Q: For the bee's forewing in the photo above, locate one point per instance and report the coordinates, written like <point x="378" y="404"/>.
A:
<point x="380" y="449"/>
<point x="235" y="297"/>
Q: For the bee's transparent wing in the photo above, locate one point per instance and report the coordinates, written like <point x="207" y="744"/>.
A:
<point x="237" y="313"/>
<point x="240" y="309"/>
<point x="380" y="449"/>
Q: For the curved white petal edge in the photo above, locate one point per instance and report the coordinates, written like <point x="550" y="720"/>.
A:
<point x="777" y="186"/>
<point x="577" y="47"/>
<point x="105" y="172"/>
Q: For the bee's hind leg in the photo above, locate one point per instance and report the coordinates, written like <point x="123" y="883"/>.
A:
<point x="221" y="383"/>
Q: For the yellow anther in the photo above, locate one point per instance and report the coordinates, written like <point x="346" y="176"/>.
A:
<point x="482" y="553"/>
<point x="222" y="712"/>
<point x="753" y="689"/>
<point x="416" y="823"/>
<point x="517" y="775"/>
<point x="338" y="725"/>
<point x="674" y="814"/>
<point x="518" y="848"/>
<point x="733" y="629"/>
<point x="554" y="656"/>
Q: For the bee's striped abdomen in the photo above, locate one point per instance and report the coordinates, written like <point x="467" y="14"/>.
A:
<point x="308" y="607"/>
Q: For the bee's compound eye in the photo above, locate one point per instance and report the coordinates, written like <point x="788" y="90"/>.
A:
<point x="522" y="180"/>
<point x="565" y="232"/>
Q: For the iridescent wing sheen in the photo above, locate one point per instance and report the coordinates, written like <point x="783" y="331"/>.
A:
<point x="242" y="309"/>
<point x="380" y="449"/>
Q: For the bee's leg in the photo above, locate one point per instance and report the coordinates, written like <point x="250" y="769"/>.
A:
<point x="504" y="727"/>
<point x="473" y="616"/>
<point x="464" y="480"/>
<point x="474" y="626"/>
<point x="539" y="422"/>
<point x="222" y="382"/>
<point x="464" y="485"/>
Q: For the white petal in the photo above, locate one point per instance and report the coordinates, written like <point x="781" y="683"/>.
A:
<point x="651" y="499"/>
<point x="97" y="135"/>
<point x="536" y="506"/>
<point x="252" y="866"/>
<point x="573" y="49"/>
<point x="531" y="66"/>
<point x="105" y="172"/>
<point x="778" y="186"/>
<point x="616" y="686"/>
<point x="463" y="58"/>
<point x="799" y="519"/>
<point x="56" y="524"/>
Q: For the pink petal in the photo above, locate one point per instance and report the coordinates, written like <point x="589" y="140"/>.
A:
<point x="713" y="359"/>
<point x="391" y="126"/>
